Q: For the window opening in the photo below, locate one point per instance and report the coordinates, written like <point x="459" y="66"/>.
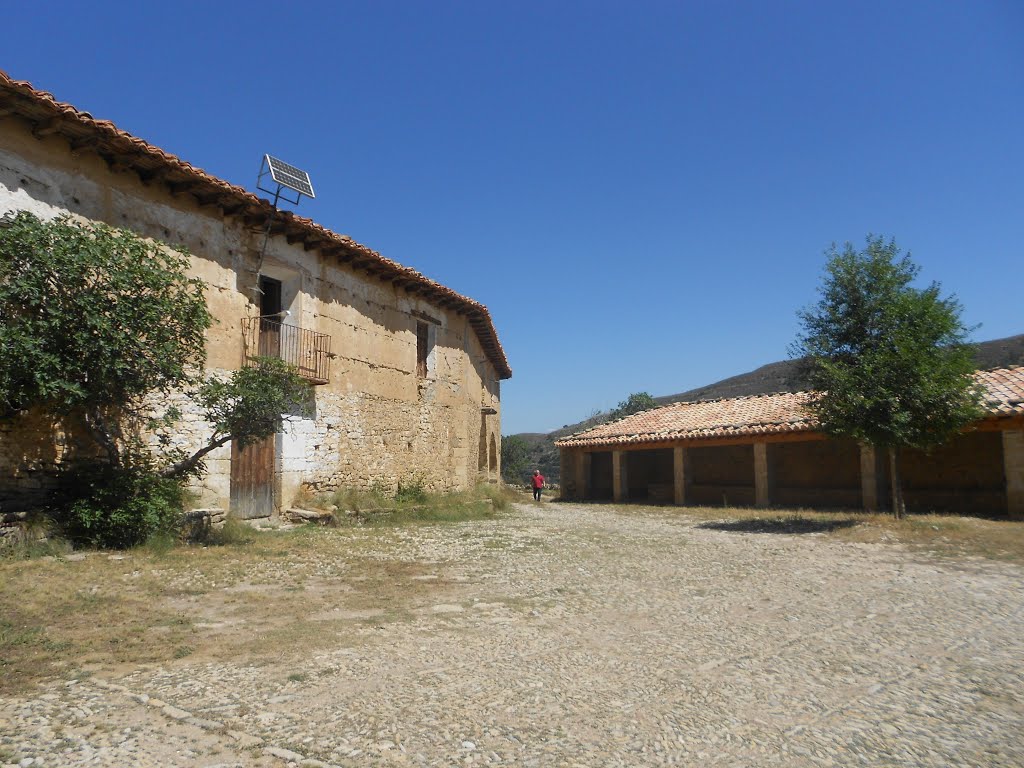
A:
<point x="422" y="348"/>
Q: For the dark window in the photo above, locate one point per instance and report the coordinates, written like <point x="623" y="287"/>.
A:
<point x="422" y="348"/>
<point x="270" y="327"/>
<point x="270" y="297"/>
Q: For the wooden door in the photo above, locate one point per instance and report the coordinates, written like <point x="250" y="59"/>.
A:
<point x="252" y="479"/>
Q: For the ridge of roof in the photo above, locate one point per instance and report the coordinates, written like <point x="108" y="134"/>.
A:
<point x="1004" y="397"/>
<point x="152" y="164"/>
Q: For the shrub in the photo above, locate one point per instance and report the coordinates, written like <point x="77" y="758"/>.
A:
<point x="118" y="507"/>
<point x="412" y="491"/>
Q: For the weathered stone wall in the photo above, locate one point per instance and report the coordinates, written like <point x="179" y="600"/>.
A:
<point x="980" y="472"/>
<point x="377" y="422"/>
<point x="722" y="474"/>
<point x="964" y="475"/>
<point x="32" y="447"/>
<point x="815" y="473"/>
<point x="649" y="472"/>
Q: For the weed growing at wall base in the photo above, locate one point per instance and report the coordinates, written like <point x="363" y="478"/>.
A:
<point x="412" y="504"/>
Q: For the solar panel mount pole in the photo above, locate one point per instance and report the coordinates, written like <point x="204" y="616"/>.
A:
<point x="283" y="176"/>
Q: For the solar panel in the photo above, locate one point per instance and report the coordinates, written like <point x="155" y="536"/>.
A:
<point x="289" y="176"/>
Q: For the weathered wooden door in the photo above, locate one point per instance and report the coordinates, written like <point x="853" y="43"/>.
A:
<point x="252" y="479"/>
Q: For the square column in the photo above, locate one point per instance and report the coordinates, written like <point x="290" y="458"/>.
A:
<point x="583" y="475"/>
<point x="868" y="478"/>
<point x="567" y="459"/>
<point x="620" y="477"/>
<point x="680" y="474"/>
<point x="1013" y="464"/>
<point x="762" y="475"/>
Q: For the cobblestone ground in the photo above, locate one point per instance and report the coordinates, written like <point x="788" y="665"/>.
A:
<point x="575" y="635"/>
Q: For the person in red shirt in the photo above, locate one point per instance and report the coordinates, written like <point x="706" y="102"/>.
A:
<point x="538" y="483"/>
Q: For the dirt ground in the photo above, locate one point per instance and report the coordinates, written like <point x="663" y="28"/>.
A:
<point x="559" y="634"/>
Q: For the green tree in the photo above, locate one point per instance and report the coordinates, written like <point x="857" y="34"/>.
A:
<point x="636" y="402"/>
<point x="97" y="324"/>
<point x="94" y="318"/>
<point x="887" y="361"/>
<point x="515" y="458"/>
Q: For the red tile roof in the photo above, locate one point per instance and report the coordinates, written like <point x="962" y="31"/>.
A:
<point x="153" y="165"/>
<point x="1004" y="390"/>
<point x="761" y="415"/>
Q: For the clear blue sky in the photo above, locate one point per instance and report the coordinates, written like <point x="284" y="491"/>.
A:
<point x="640" y="192"/>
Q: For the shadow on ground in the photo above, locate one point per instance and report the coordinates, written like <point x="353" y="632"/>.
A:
<point x="779" y="525"/>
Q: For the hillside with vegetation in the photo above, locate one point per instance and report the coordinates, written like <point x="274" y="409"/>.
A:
<point x="781" y="376"/>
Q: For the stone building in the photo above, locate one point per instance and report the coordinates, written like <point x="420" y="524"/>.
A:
<point x="406" y="371"/>
<point x="765" y="450"/>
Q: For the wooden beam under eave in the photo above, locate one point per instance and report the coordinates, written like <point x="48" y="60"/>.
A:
<point x="230" y="207"/>
<point x="177" y="188"/>
<point x="82" y="142"/>
<point x="47" y="128"/>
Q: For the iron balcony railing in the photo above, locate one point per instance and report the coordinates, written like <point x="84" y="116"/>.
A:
<point x="308" y="351"/>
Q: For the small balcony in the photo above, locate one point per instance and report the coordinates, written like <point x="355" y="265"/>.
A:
<point x="308" y="351"/>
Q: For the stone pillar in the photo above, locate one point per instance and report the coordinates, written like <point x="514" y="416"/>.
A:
<point x="868" y="478"/>
<point x="583" y="475"/>
<point x="1013" y="465"/>
<point x="762" y="477"/>
<point x="567" y="471"/>
<point x="620" y="477"/>
<point x="680" y="474"/>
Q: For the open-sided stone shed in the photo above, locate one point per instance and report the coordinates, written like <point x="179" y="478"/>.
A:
<point x="766" y="450"/>
<point x="406" y="371"/>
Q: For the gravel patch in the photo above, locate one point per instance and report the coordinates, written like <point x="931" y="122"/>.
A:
<point x="590" y="635"/>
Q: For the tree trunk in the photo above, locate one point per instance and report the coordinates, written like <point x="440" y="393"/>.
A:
<point x="104" y="433"/>
<point x="185" y="466"/>
<point x="895" y="483"/>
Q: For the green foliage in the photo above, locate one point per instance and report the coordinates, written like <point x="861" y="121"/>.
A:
<point x="232" y="533"/>
<point x="249" y="405"/>
<point x="122" y="506"/>
<point x="515" y="458"/>
<point x="888" y="361"/>
<point x="93" y="316"/>
<point x="419" y="506"/>
<point x="636" y="402"/>
<point x="411" y="491"/>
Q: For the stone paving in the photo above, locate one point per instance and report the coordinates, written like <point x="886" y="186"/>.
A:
<point x="571" y="635"/>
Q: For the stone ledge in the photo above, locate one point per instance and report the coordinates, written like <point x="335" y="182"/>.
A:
<point x="319" y="516"/>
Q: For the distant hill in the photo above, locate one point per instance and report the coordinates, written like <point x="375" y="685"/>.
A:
<point x="783" y="376"/>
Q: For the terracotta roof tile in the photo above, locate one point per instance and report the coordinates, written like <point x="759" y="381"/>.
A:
<point x="1004" y="390"/>
<point x="762" y="414"/>
<point x="50" y="116"/>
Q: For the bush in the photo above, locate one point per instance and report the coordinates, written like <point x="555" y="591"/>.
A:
<point x="119" y="507"/>
<point x="412" y="491"/>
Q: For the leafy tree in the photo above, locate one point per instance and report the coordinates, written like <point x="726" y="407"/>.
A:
<point x="515" y="458"/>
<point x="636" y="402"/>
<point x="887" y="361"/>
<point x="94" y="318"/>
<point x="97" y="324"/>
